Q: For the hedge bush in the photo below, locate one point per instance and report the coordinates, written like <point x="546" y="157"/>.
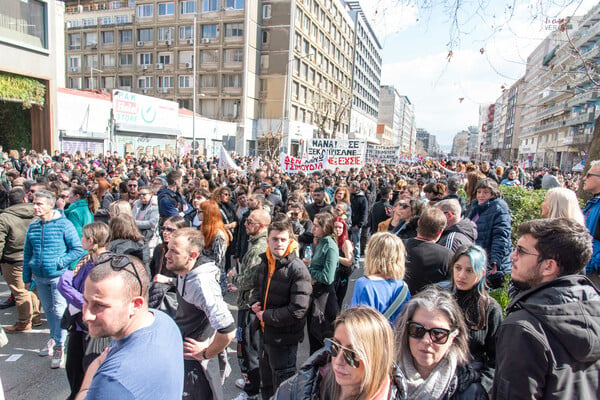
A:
<point x="524" y="205"/>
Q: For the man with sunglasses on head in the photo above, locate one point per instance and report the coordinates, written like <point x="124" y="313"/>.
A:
<point x="145" y="358"/>
<point x="548" y="347"/>
<point x="591" y="212"/>
<point x="205" y="322"/>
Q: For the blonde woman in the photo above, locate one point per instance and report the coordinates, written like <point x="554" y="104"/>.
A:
<point x="383" y="287"/>
<point x="353" y="364"/>
<point x="562" y="202"/>
<point x="119" y="208"/>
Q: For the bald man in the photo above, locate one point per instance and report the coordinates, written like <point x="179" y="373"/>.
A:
<point x="248" y="333"/>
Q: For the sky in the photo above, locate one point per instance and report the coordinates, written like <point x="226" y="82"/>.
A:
<point x="489" y="52"/>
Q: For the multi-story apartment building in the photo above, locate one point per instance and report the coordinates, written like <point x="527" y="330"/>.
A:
<point x="429" y="142"/>
<point x="486" y="124"/>
<point x="366" y="76"/>
<point x="31" y="68"/>
<point x="460" y="144"/>
<point x="306" y="67"/>
<point x="397" y="112"/>
<point x="147" y="46"/>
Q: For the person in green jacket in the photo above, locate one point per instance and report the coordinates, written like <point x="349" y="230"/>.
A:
<point x="323" y="309"/>
<point x="81" y="203"/>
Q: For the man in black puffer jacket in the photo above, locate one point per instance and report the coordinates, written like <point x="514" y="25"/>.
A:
<point x="280" y="303"/>
<point x="459" y="231"/>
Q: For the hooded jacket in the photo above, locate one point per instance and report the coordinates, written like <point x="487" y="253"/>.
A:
<point x="548" y="346"/>
<point x="13" y="227"/>
<point x="462" y="233"/>
<point x="360" y="209"/>
<point x="80" y="215"/>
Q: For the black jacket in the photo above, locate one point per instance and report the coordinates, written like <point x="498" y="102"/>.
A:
<point x="548" y="346"/>
<point x="287" y="301"/>
<point x="360" y="209"/>
<point x="305" y="384"/>
<point x="426" y="263"/>
<point x="465" y="385"/>
<point x="460" y="234"/>
<point x="381" y="211"/>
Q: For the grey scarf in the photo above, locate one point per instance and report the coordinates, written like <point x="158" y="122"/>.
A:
<point x="436" y="384"/>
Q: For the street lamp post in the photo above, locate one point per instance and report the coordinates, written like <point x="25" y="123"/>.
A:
<point x="92" y="69"/>
<point x="194" y="97"/>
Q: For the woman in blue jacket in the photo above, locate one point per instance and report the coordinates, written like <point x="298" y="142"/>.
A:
<point x="491" y="215"/>
<point x="81" y="209"/>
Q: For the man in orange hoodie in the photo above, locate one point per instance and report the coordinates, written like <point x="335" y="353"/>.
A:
<point x="280" y="303"/>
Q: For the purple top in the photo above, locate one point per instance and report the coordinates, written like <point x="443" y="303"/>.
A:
<point x="71" y="286"/>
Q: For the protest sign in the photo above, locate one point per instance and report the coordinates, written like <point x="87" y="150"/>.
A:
<point x="225" y="161"/>
<point x="291" y="165"/>
<point x="342" y="153"/>
<point x="386" y="155"/>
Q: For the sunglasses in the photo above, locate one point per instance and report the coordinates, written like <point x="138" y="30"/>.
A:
<point x="349" y="355"/>
<point x="120" y="263"/>
<point x="404" y="206"/>
<point x="132" y="185"/>
<point x="167" y="229"/>
<point x="588" y="175"/>
<point x="437" y="335"/>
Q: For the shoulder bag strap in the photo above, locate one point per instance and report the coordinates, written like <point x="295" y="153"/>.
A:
<point x="391" y="310"/>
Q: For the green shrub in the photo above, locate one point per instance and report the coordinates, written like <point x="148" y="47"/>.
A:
<point x="501" y="294"/>
<point x="524" y="205"/>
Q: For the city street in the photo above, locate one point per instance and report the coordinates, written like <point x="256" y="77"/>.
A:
<point x="27" y="376"/>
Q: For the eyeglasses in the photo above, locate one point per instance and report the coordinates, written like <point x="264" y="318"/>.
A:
<point x="248" y="222"/>
<point x="132" y="185"/>
<point x="589" y="174"/>
<point x="120" y="263"/>
<point x="437" y="335"/>
<point x="404" y="206"/>
<point x="167" y="229"/>
<point x="519" y="251"/>
<point x="144" y="194"/>
<point x="349" y="355"/>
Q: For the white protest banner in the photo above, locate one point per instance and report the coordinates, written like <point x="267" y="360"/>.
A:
<point x="225" y="161"/>
<point x="291" y="165"/>
<point x="343" y="153"/>
<point x="386" y="155"/>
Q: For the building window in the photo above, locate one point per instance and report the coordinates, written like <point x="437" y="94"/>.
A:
<point x="265" y="37"/>
<point x="108" y="60"/>
<point x="164" y="82"/>
<point x="145" y="35"/>
<point x="234" y="30"/>
<point x="232" y="80"/>
<point x="125" y="59"/>
<point x="145" y="10"/>
<point x="91" y="61"/>
<point x="233" y="55"/>
<point x="74" y="41"/>
<point x="185" y="57"/>
<point x="187" y="7"/>
<point x="107" y="82"/>
<point x="165" y="9"/>
<point x="25" y="21"/>
<point x="210" y="5"/>
<point x="208" y="108"/>
<point x="264" y="61"/>
<point x="266" y="11"/>
<point x="164" y="58"/>
<point x="75" y="83"/>
<point x="185" y="81"/>
<point x="209" y="31"/>
<point x="165" y="33"/>
<point x="108" y="37"/>
<point x="91" y="39"/>
<point x="125" y="82"/>
<point x="185" y="32"/>
<point x="145" y="82"/>
<point x="230" y="108"/>
<point x="145" y="58"/>
<point x="208" y="81"/>
<point x="126" y="36"/>
<point x="74" y="64"/>
<point x="235" y="4"/>
<point x="209" y="57"/>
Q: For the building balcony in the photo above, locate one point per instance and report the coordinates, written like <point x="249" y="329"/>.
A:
<point x="582" y="98"/>
<point x="552" y="125"/>
<point x="551" y="111"/>
<point x="588" y="37"/>
<point x="556" y="93"/>
<point x="586" y="118"/>
<point x="108" y="5"/>
<point x="577" y="139"/>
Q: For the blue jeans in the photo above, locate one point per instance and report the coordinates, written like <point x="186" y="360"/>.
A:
<point x="54" y="306"/>
<point x="355" y="239"/>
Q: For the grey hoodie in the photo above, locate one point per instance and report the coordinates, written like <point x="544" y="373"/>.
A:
<point x="548" y="346"/>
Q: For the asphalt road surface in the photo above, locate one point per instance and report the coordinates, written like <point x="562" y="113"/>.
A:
<point x="27" y="376"/>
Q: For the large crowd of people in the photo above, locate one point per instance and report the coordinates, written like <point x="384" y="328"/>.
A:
<point x="127" y="254"/>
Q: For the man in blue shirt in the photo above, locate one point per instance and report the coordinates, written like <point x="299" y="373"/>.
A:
<point x="145" y="359"/>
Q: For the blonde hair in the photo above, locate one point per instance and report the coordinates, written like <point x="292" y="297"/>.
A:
<point x="367" y="331"/>
<point x="119" y="207"/>
<point x="99" y="232"/>
<point x="385" y="255"/>
<point x="563" y="203"/>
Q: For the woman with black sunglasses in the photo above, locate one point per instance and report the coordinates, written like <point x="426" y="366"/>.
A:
<point x="352" y="365"/>
<point x="433" y="349"/>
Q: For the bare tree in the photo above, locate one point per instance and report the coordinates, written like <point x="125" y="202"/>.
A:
<point x="327" y="110"/>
